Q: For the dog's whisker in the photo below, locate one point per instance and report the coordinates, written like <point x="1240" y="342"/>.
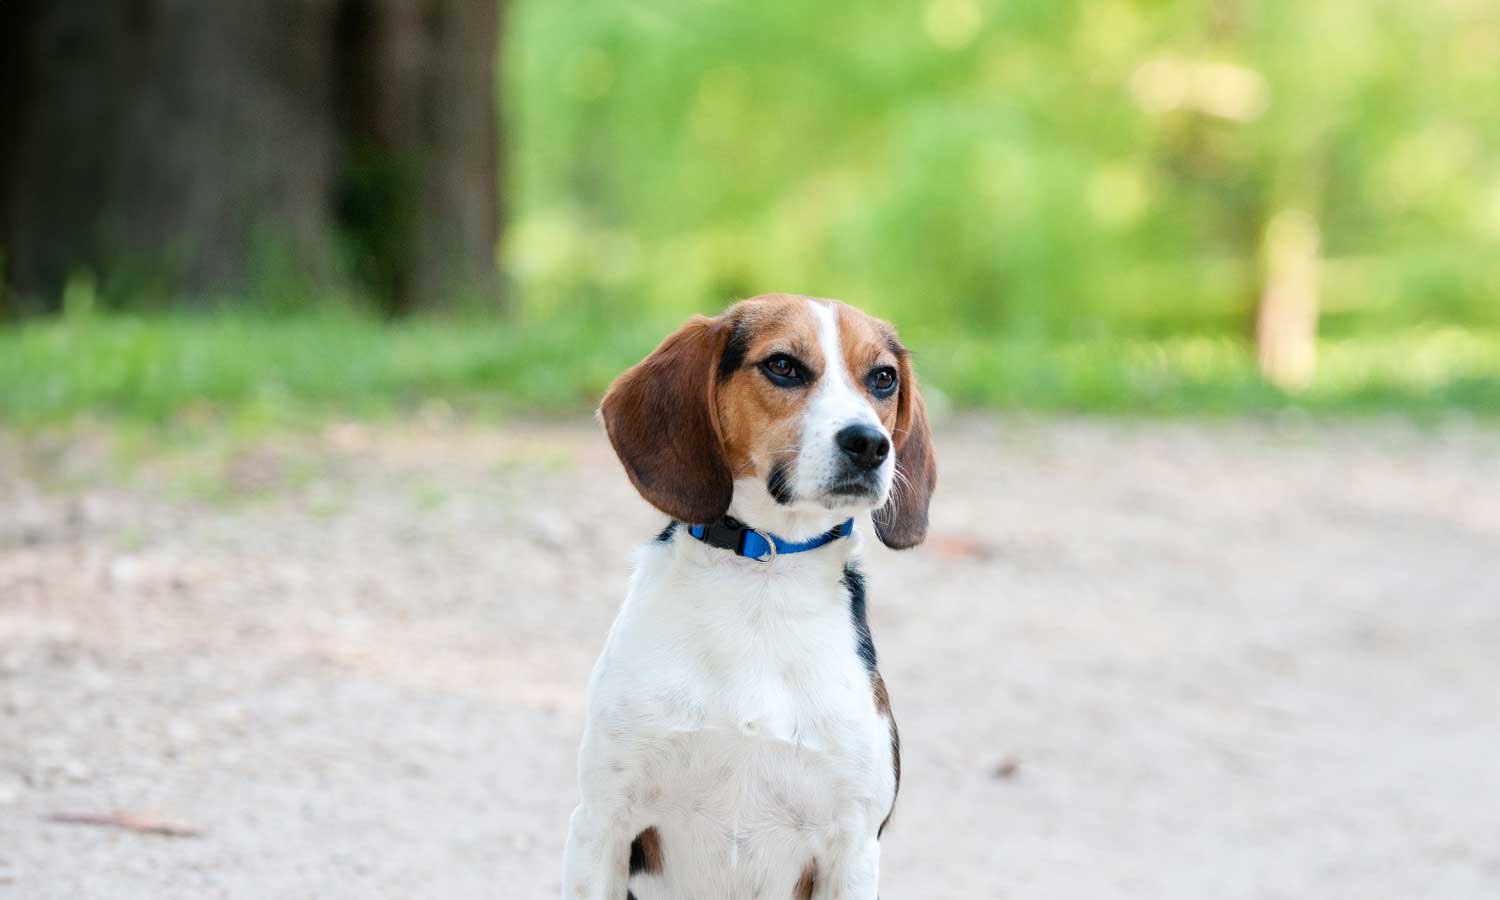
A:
<point x="901" y="488"/>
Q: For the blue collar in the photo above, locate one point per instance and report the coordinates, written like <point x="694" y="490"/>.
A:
<point x="752" y="543"/>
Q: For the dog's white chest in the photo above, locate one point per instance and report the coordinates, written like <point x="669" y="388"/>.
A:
<point x="735" y="717"/>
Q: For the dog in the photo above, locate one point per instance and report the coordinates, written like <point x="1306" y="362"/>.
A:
<point x="739" y="741"/>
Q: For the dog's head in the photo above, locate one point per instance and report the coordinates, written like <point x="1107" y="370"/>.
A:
<point x="804" y="405"/>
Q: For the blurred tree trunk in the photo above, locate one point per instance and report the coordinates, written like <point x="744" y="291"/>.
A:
<point x="420" y="188"/>
<point x="188" y="143"/>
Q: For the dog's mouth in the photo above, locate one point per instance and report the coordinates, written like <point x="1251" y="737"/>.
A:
<point x="865" y="487"/>
<point x="849" y="489"/>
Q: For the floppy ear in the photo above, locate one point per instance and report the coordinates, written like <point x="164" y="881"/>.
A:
<point x="663" y="422"/>
<point x="902" y="522"/>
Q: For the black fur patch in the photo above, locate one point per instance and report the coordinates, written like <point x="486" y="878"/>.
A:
<point x="645" y="853"/>
<point x="779" y="484"/>
<point x="666" y="533"/>
<point x="734" y="351"/>
<point x="854" y="582"/>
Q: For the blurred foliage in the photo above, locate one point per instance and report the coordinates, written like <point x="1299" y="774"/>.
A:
<point x="1027" y="168"/>
<point x="1062" y="205"/>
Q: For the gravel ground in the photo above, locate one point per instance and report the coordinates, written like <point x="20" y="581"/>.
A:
<point x="1136" y="660"/>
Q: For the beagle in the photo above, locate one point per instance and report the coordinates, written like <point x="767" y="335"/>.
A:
<point x="739" y="741"/>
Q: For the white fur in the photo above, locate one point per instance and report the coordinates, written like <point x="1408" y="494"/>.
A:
<point x="834" y="405"/>
<point x="730" y="709"/>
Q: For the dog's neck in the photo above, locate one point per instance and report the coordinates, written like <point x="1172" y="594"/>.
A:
<point x="789" y="581"/>
<point x="797" y="521"/>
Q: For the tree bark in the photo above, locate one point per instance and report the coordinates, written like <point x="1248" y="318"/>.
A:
<point x="178" y="147"/>
<point x="421" y="145"/>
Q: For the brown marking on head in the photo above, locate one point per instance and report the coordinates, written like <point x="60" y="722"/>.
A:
<point x="808" y="882"/>
<point x="645" y="853"/>
<point x="868" y="344"/>
<point x="883" y="706"/>
<point x="763" y="423"/>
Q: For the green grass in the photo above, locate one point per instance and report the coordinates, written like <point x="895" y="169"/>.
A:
<point x="283" y="369"/>
<point x="279" y="371"/>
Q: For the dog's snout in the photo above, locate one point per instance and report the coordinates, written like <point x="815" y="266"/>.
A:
<point x="865" y="445"/>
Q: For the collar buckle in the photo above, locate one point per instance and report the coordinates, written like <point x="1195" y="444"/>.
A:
<point x="729" y="533"/>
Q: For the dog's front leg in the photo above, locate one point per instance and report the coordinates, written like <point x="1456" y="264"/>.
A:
<point x="855" y="875"/>
<point x="596" y="865"/>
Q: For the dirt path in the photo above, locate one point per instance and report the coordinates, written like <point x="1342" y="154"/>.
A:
<point x="1137" y="661"/>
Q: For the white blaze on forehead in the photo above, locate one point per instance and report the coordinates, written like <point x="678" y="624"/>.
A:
<point x="834" y="367"/>
<point x="835" y="402"/>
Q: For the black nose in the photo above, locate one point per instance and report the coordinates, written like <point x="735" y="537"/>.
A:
<point x="865" y="445"/>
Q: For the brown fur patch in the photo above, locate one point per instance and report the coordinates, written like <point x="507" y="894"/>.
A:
<point x="762" y="423"/>
<point x="883" y="706"/>
<point x="807" y="882"/>
<point x="645" y="853"/>
<point x="867" y="344"/>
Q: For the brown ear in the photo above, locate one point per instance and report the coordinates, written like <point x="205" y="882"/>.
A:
<point x="662" y="420"/>
<point x="902" y="522"/>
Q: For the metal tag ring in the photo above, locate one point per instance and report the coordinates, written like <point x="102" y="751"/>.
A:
<point x="770" y="542"/>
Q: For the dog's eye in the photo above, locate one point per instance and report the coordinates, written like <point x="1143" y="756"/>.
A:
<point x="883" y="381"/>
<point x="784" y="371"/>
